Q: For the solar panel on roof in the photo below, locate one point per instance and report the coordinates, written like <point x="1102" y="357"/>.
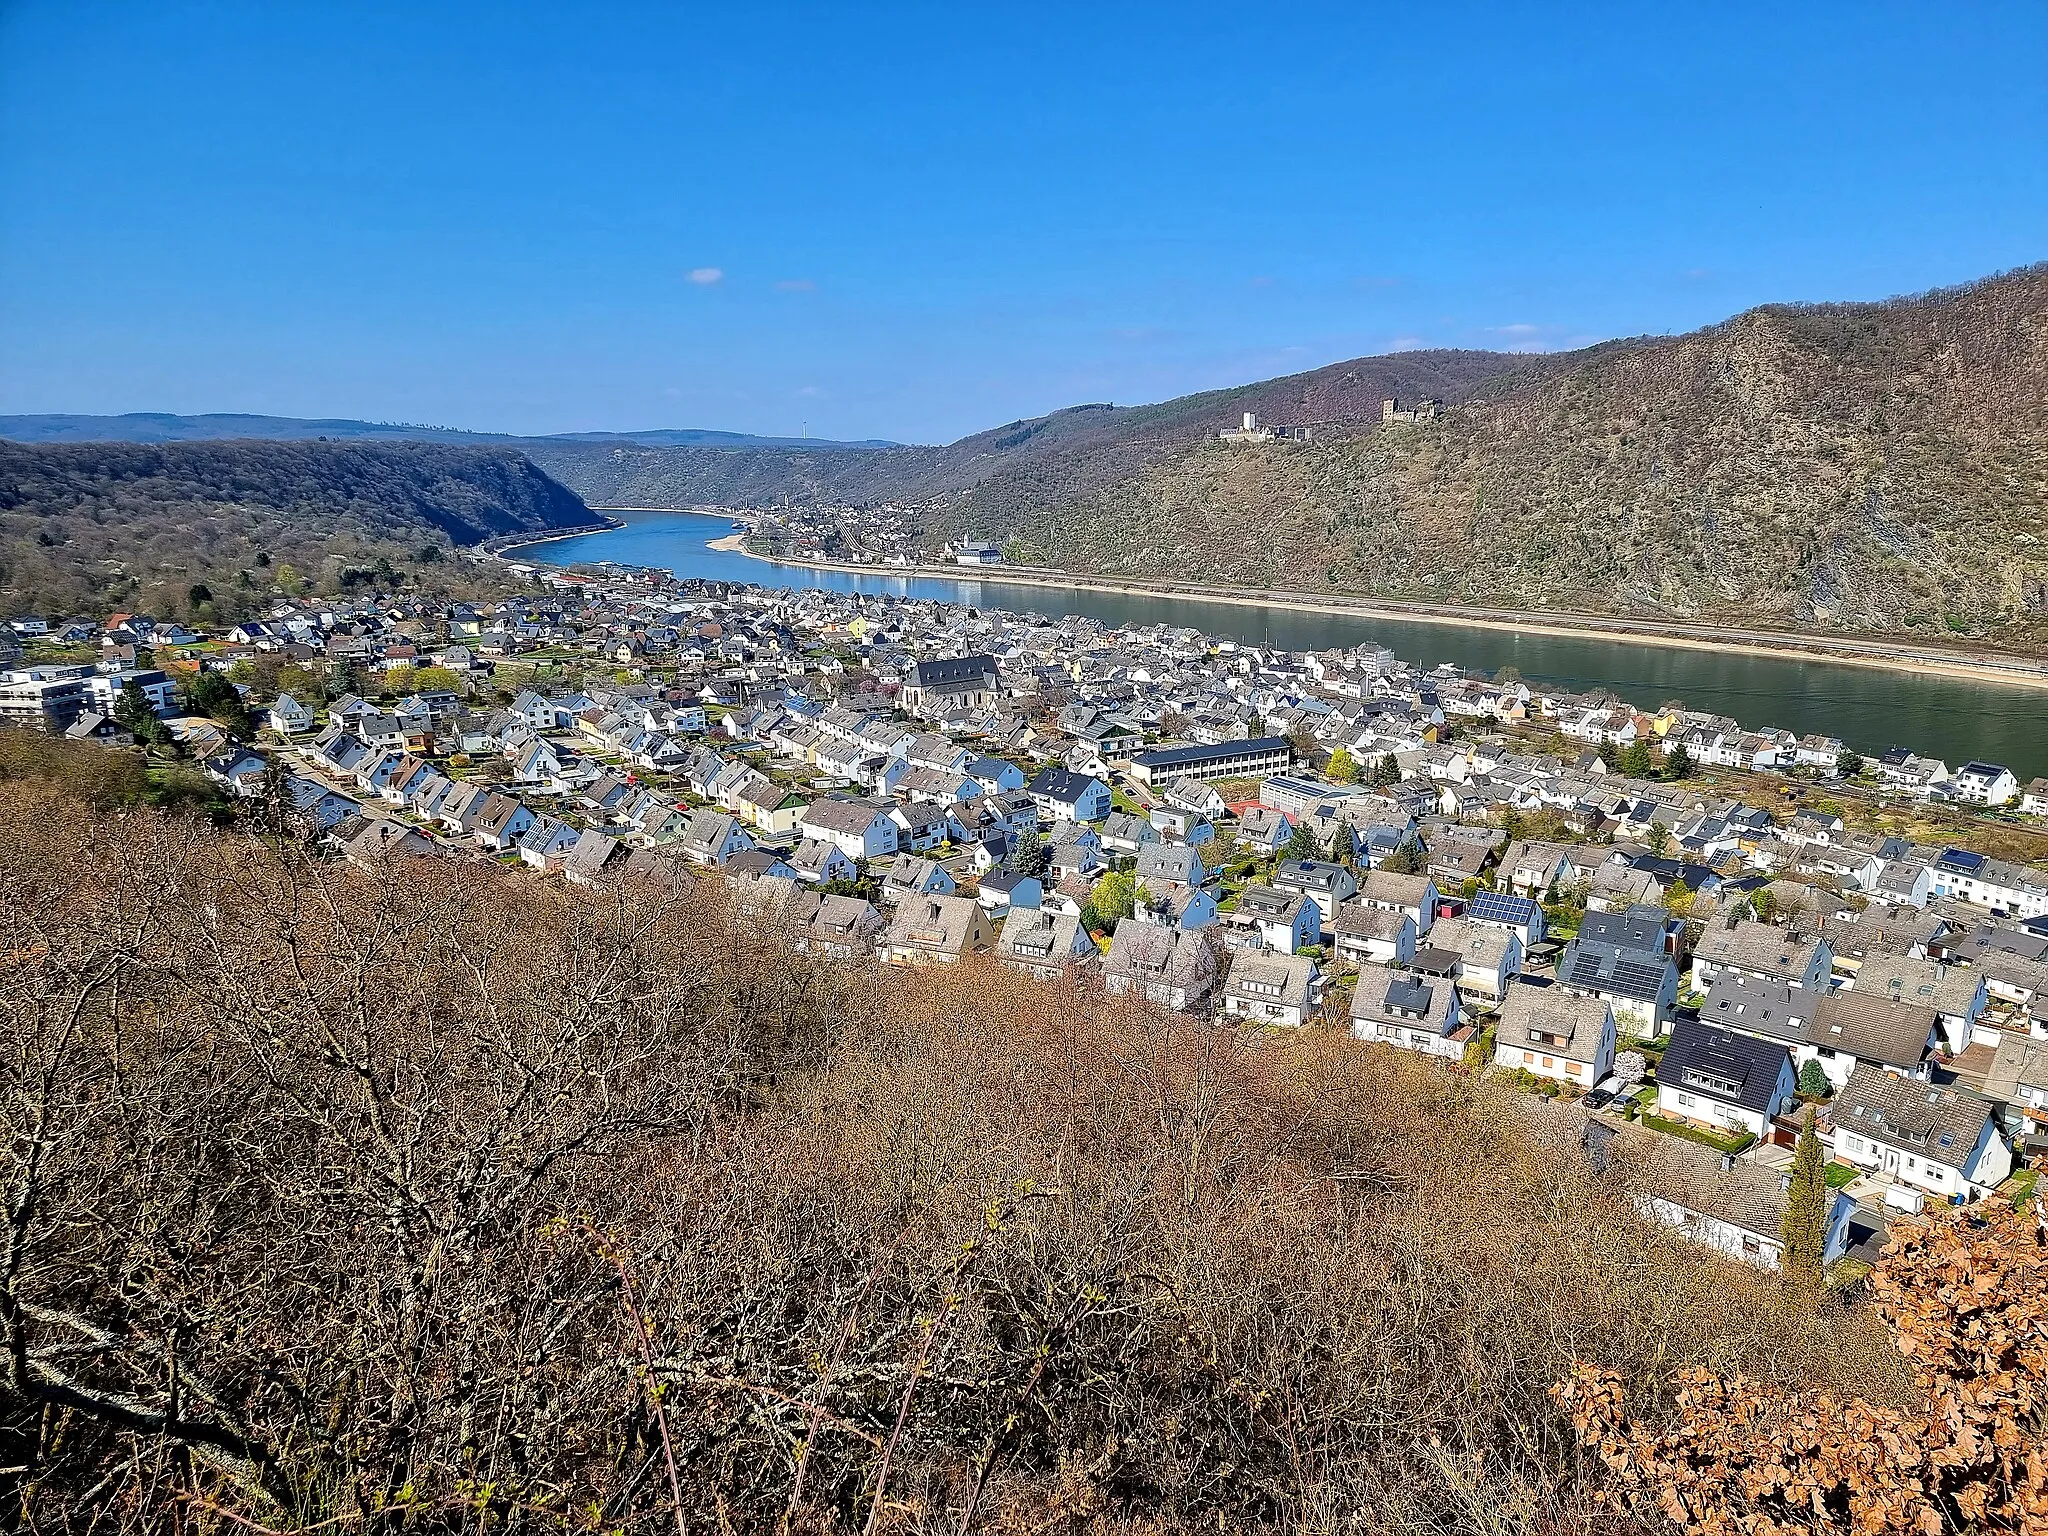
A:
<point x="1961" y="858"/>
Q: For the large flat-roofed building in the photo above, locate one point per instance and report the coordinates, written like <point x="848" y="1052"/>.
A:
<point x="1223" y="760"/>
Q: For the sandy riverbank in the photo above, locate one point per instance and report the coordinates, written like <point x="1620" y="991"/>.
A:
<point x="2018" y="672"/>
<point x="731" y="544"/>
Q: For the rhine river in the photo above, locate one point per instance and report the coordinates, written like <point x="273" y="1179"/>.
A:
<point x="1953" y="719"/>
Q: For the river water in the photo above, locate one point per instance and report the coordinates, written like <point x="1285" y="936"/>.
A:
<point x="1871" y="709"/>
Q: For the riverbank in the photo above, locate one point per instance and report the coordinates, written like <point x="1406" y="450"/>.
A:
<point x="1881" y="655"/>
<point x="505" y="545"/>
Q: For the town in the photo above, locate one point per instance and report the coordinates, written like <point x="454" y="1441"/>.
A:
<point x="1675" y="923"/>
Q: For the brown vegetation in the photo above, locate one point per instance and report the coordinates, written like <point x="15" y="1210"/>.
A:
<point x="1966" y="1293"/>
<point x="211" y="530"/>
<point x="441" y="1197"/>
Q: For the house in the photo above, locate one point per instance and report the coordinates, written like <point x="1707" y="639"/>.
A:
<point x="1941" y="1140"/>
<point x="1285" y="922"/>
<point x="1763" y="953"/>
<point x="843" y="927"/>
<point x="288" y="717"/>
<point x="921" y="827"/>
<point x="936" y="930"/>
<point x="860" y="828"/>
<point x="1736" y="1208"/>
<point x="1371" y="935"/>
<point x="1725" y="1080"/>
<point x="595" y="859"/>
<point x="1003" y="891"/>
<point x="1958" y="994"/>
<point x="1531" y="869"/>
<point x="1488" y="959"/>
<point x="1624" y="959"/>
<point x="1557" y="1034"/>
<point x="818" y="862"/>
<point x="1415" y="895"/>
<point x="1991" y="784"/>
<point x="1497" y="909"/>
<point x="713" y="838"/>
<point x="1265" y="830"/>
<point x="1329" y="886"/>
<point x="1171" y="968"/>
<point x="1125" y="832"/>
<point x="547" y="842"/>
<point x="1044" y="944"/>
<point x="951" y="685"/>
<point x="1416" y="1013"/>
<point x="501" y="822"/>
<point x="1061" y="795"/>
<point x="910" y="877"/>
<point x="1266" y="988"/>
<point x="376" y="840"/>
<point x="2018" y="1080"/>
<point x="1169" y="864"/>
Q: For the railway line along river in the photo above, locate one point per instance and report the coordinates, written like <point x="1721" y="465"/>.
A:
<point x="1871" y="708"/>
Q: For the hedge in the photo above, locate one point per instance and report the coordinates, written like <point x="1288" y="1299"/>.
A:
<point x="1738" y="1143"/>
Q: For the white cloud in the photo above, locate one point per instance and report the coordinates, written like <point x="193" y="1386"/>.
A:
<point x="704" y="277"/>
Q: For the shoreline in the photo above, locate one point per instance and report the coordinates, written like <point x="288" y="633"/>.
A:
<point x="1674" y="635"/>
<point x="1875" y="655"/>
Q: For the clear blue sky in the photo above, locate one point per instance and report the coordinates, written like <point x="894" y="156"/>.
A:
<point x="916" y="221"/>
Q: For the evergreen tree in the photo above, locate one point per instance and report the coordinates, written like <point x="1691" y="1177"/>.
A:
<point x="1813" y="1081"/>
<point x="1678" y="763"/>
<point x="135" y="714"/>
<point x="1636" y="761"/>
<point x="1386" y="773"/>
<point x="1344" y="844"/>
<point x="212" y="695"/>
<point x="1848" y="764"/>
<point x="1806" y="1211"/>
<point x="1302" y="845"/>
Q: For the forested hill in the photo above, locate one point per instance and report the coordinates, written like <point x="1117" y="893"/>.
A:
<point x="86" y="527"/>
<point x="1072" y="453"/>
<point x="1856" y="466"/>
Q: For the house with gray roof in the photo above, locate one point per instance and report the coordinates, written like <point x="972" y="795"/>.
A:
<point x="1267" y="988"/>
<point x="1624" y="959"/>
<point x="936" y="930"/>
<point x="1044" y="943"/>
<point x="1725" y="1080"/>
<point x="1173" y="968"/>
<point x="1944" y="1141"/>
<point x="1553" y="1033"/>
<point x="1415" y="1012"/>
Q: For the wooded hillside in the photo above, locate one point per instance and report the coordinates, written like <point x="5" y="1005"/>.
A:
<point x="85" y="528"/>
<point x="448" y="1197"/>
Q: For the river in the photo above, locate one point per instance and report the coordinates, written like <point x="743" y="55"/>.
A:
<point x="1954" y="719"/>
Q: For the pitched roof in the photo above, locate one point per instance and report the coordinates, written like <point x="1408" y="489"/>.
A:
<point x="1872" y="1028"/>
<point x="1722" y="1064"/>
<point x="1942" y="1124"/>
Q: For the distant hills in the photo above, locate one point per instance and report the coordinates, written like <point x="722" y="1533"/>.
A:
<point x="85" y="527"/>
<point x="1872" y="467"/>
<point x="1875" y="467"/>
<point x="162" y="427"/>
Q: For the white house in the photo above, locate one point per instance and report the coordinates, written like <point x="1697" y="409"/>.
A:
<point x="1554" y="1033"/>
<point x="1942" y="1140"/>
<point x="288" y="717"/>
<point x="1723" y="1080"/>
<point x="1266" y="988"/>
<point x="860" y="829"/>
<point x="1416" y="1013"/>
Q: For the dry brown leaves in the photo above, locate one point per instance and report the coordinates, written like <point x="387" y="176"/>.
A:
<point x="1966" y="1293"/>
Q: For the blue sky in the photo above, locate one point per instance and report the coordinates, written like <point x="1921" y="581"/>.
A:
<point x="917" y="221"/>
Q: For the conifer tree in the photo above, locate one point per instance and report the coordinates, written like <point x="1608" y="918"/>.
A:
<point x="1806" y="1210"/>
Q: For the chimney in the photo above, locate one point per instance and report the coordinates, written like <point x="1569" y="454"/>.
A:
<point x="1727" y="1162"/>
<point x="1784" y="1182"/>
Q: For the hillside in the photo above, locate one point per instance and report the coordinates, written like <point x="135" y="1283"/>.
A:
<point x="1048" y="460"/>
<point x="442" y="1196"/>
<point x="1867" y="466"/>
<point x="165" y="427"/>
<point x="84" y="528"/>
